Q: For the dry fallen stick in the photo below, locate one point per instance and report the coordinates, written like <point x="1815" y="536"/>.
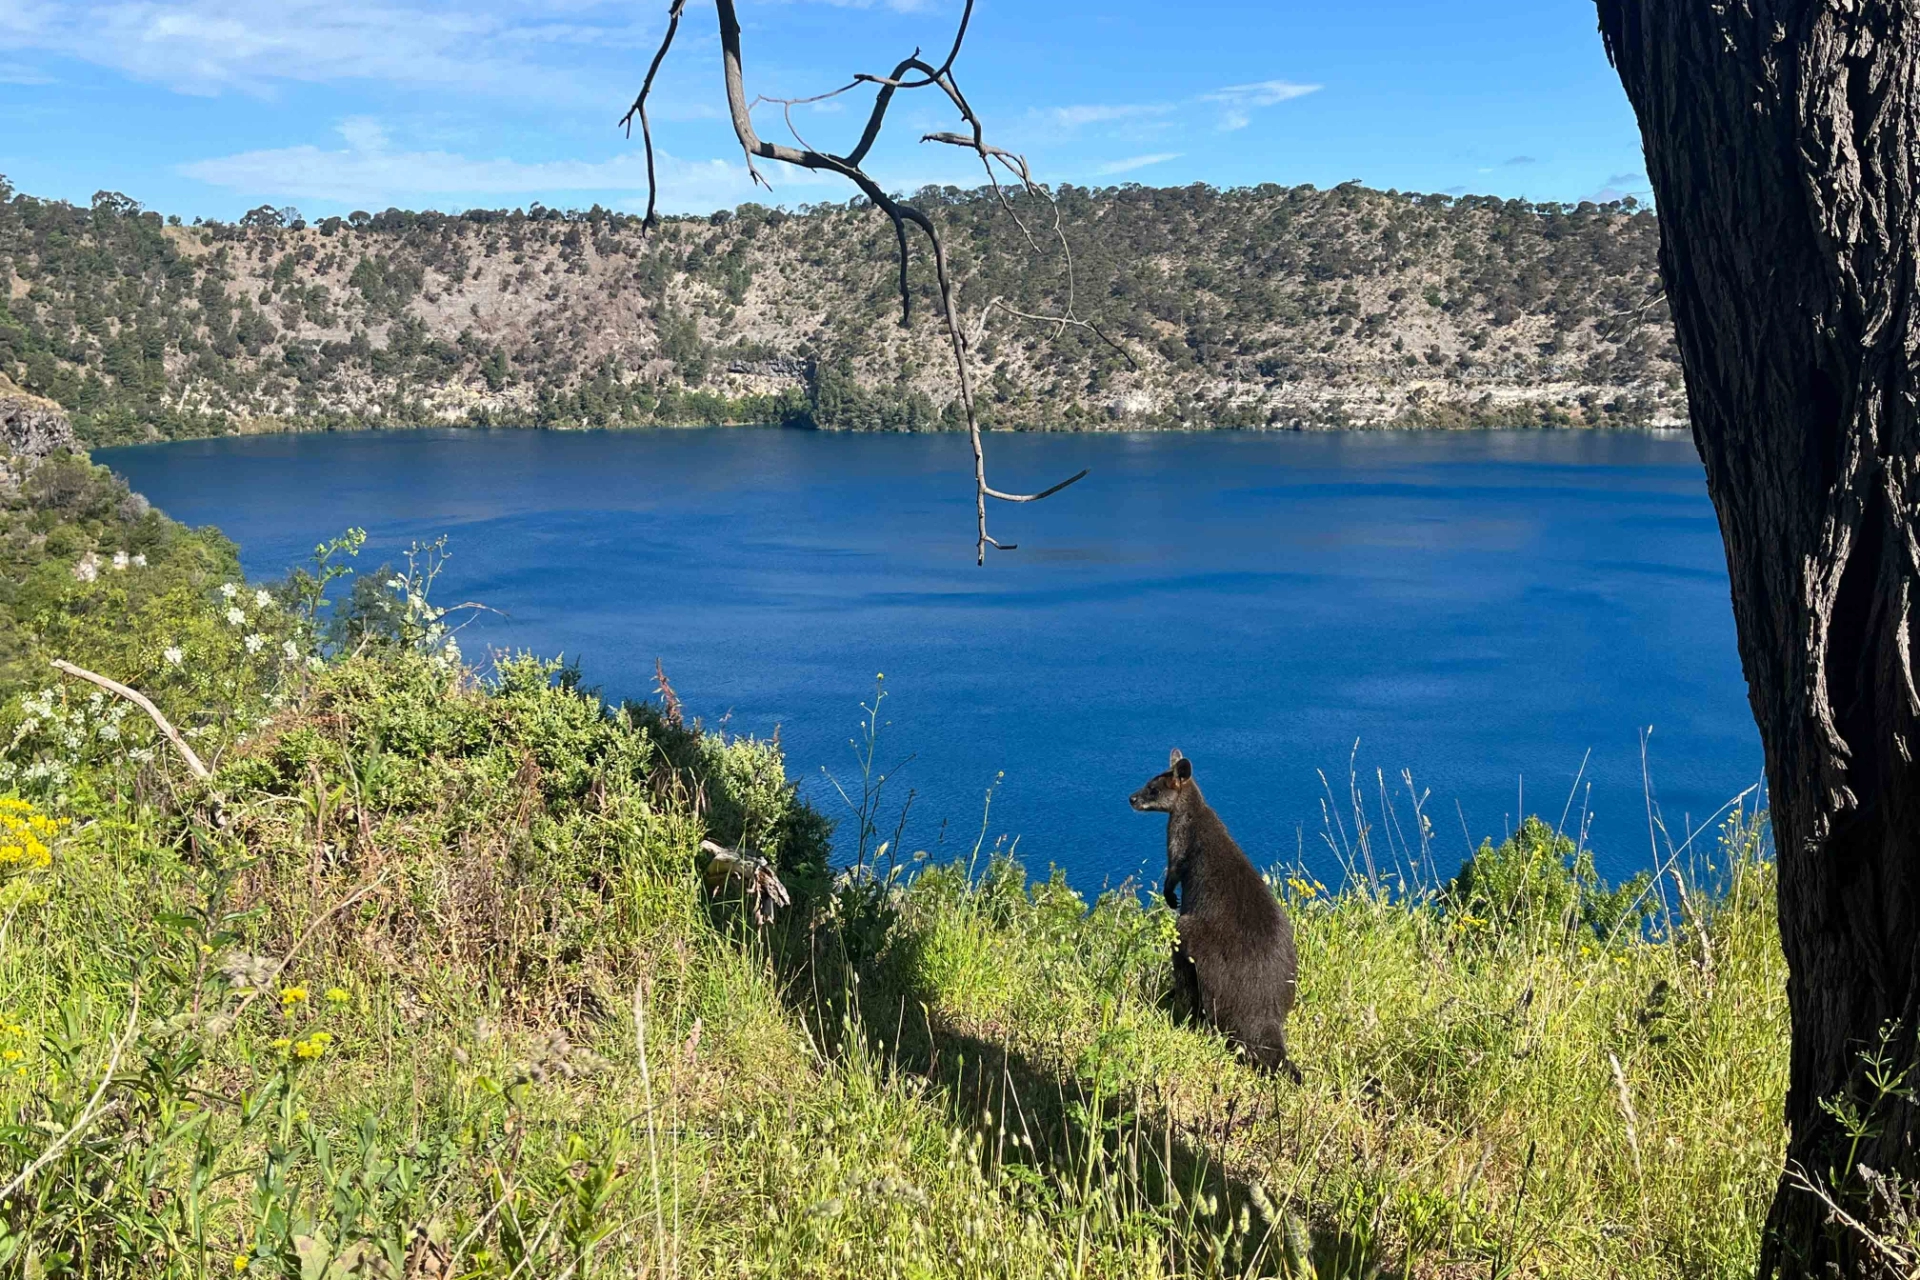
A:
<point x="141" y="701"/>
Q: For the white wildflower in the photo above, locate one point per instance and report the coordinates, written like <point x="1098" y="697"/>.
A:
<point x="315" y="662"/>
<point x="235" y="618"/>
<point x="256" y="642"/>
<point x="228" y="590"/>
<point x="173" y="655"/>
<point x="291" y="650"/>
<point x="121" y="560"/>
<point x="87" y="568"/>
<point x="263" y="598"/>
<point x="140" y="560"/>
<point x="109" y="732"/>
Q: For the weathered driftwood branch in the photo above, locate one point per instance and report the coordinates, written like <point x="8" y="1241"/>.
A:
<point x="756" y="875"/>
<point x="900" y="213"/>
<point x="141" y="701"/>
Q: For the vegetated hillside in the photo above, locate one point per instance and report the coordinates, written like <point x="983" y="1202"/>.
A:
<point x="1268" y="306"/>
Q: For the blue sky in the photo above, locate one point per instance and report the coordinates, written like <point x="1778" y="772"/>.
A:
<point x="209" y="107"/>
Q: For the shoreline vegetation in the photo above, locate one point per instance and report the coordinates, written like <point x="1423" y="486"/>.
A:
<point x="1262" y="307"/>
<point x="434" y="976"/>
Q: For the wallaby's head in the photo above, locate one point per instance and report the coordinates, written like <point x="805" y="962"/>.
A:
<point x="1164" y="790"/>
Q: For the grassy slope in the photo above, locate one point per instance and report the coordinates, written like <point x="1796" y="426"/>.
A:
<point x="555" y="1053"/>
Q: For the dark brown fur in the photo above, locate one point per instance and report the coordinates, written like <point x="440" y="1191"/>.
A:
<point x="1234" y="966"/>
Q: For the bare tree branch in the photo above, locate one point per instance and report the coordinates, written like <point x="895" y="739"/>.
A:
<point x="898" y="212"/>
<point x="639" y="108"/>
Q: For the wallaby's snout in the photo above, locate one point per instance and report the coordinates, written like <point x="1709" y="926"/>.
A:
<point x="1161" y="789"/>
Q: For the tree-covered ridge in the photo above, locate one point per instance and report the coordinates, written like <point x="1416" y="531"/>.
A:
<point x="1264" y="306"/>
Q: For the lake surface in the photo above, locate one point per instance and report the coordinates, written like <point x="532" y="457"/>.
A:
<point x="1481" y="609"/>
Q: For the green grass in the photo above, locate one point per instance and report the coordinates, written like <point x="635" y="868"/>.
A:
<point x="554" y="1052"/>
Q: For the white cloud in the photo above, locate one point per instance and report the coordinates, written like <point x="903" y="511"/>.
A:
<point x="1265" y="93"/>
<point x="1238" y="101"/>
<point x="898" y="6"/>
<point x="1082" y="114"/>
<point x="369" y="171"/>
<point x="1136" y="162"/>
<point x="211" y="46"/>
<point x="208" y="47"/>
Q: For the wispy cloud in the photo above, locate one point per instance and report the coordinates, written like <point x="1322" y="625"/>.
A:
<point x="1517" y="161"/>
<point x="1238" y="101"/>
<point x="1082" y="114"/>
<point x="209" y="47"/>
<point x="898" y="6"/>
<point x="212" y="46"/>
<point x="1136" y="162"/>
<point x="370" y="171"/>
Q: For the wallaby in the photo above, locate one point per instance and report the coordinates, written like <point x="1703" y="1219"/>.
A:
<point x="1234" y="966"/>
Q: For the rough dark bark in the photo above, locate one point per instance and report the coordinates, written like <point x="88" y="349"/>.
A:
<point x="1782" y="142"/>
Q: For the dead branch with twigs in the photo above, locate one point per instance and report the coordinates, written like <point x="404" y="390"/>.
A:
<point x="912" y="72"/>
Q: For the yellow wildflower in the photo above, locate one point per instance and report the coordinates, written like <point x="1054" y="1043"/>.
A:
<point x="24" y="834"/>
<point x="337" y="995"/>
<point x="293" y="995"/>
<point x="314" y="1046"/>
<point x="283" y="1044"/>
<point x="241" y="1262"/>
<point x="11" y="1055"/>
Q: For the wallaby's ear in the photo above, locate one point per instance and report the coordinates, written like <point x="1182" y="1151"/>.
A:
<point x="1183" y="769"/>
<point x="1174" y="757"/>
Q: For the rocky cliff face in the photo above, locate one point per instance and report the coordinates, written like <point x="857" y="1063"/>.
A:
<point x="31" y="426"/>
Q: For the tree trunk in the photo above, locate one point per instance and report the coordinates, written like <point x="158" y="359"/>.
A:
<point x="1783" y="145"/>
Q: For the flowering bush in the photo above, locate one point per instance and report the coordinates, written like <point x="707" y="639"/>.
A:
<point x="26" y="847"/>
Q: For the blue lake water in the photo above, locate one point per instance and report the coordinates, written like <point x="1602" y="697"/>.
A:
<point x="1481" y="609"/>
